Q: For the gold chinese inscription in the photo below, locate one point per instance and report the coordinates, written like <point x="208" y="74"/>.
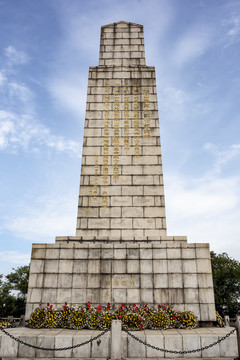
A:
<point x="123" y="283"/>
<point x="128" y="123"/>
<point x="146" y="114"/>
<point x="126" y="118"/>
<point x="136" y="116"/>
<point x="90" y="196"/>
<point x="105" y="146"/>
<point x="116" y="150"/>
<point x="96" y="173"/>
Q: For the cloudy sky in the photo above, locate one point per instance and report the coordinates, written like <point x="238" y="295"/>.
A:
<point x="46" y="48"/>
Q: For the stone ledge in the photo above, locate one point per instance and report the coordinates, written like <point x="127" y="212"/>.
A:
<point x="89" y="239"/>
<point x="172" y="339"/>
<point x="122" y="68"/>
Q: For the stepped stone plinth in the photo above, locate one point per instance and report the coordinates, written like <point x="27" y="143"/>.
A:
<point x="121" y="251"/>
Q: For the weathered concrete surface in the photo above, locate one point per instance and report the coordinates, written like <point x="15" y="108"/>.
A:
<point x="153" y="272"/>
<point x="130" y="348"/>
<point x="116" y="340"/>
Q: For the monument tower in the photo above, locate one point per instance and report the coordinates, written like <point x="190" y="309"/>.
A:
<point x="121" y="251"/>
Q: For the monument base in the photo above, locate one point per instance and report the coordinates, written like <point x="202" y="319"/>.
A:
<point x="119" y="345"/>
<point x="167" y="270"/>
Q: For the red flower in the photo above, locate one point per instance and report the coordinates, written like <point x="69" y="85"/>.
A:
<point x="144" y="308"/>
<point x="65" y="308"/>
<point x="120" y="308"/>
<point x="136" y="308"/>
<point x="50" y="306"/>
<point x="176" y="316"/>
<point x="123" y="305"/>
<point x="47" y="304"/>
<point x="99" y="308"/>
<point x="120" y="316"/>
<point x="164" y="304"/>
<point x="140" y="319"/>
<point x="141" y="325"/>
<point x="40" y="304"/>
<point x="146" y="305"/>
<point x="88" y="303"/>
<point x="159" y="306"/>
<point x="108" y="304"/>
<point x="65" y="303"/>
<point x="164" y="308"/>
<point x="134" y="305"/>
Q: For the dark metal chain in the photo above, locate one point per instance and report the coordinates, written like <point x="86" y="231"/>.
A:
<point x="54" y="349"/>
<point x="130" y="334"/>
<point x="179" y="352"/>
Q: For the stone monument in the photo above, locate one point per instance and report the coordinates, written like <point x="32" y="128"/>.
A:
<point x="121" y="252"/>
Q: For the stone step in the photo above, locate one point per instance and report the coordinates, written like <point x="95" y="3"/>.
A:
<point x="59" y="358"/>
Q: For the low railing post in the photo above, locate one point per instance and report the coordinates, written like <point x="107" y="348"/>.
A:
<point x="22" y="321"/>
<point x="237" y="323"/>
<point x="116" y="339"/>
<point x="226" y="320"/>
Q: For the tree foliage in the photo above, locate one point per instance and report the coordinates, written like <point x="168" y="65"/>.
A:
<point x="7" y="301"/>
<point x="18" y="280"/>
<point x="13" y="292"/>
<point x="226" y="282"/>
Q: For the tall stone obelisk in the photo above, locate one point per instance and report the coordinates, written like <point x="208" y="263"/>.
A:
<point x="121" y="193"/>
<point x="121" y="251"/>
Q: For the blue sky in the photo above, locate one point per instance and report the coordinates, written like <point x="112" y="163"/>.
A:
<point x="46" y="48"/>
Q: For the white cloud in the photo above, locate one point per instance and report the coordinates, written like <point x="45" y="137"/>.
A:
<point x="191" y="45"/>
<point x="21" y="91"/>
<point x="15" y="57"/>
<point x="234" y="25"/>
<point x="177" y="96"/>
<point x="69" y="94"/>
<point x="173" y="102"/>
<point x="15" y="93"/>
<point x="222" y="233"/>
<point x="231" y="28"/>
<point x="24" y="132"/>
<point x="204" y="197"/>
<point x="21" y="130"/>
<point x="222" y="156"/>
<point x="15" y="257"/>
<point x="6" y="128"/>
<point x="206" y="209"/>
<point x="2" y="78"/>
<point x="44" y="220"/>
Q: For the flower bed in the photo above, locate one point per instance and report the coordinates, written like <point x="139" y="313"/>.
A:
<point x="132" y="316"/>
<point x="6" y="324"/>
